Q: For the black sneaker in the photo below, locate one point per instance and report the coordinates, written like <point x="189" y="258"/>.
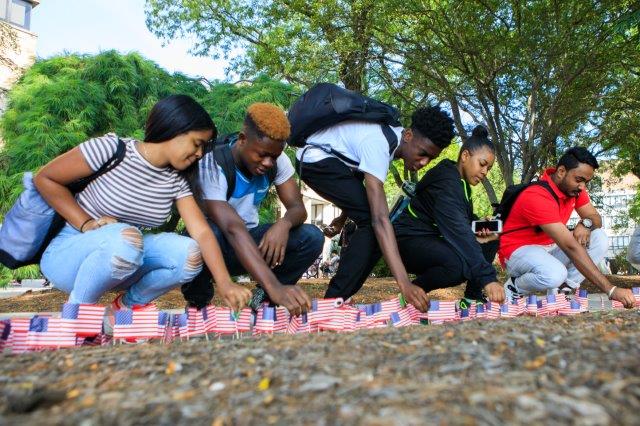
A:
<point x="258" y="297"/>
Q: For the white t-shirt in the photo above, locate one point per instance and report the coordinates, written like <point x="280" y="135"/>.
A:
<point x="248" y="192"/>
<point x="360" y="141"/>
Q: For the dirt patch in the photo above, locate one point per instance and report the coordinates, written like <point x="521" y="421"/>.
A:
<point x="563" y="370"/>
<point x="374" y="290"/>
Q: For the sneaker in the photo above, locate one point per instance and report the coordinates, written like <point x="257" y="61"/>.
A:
<point x="511" y="291"/>
<point x="566" y="289"/>
<point x="258" y="297"/>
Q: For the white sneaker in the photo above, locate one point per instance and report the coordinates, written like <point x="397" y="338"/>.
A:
<point x="511" y="291"/>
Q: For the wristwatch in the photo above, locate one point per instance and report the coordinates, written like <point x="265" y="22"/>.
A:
<point x="587" y="223"/>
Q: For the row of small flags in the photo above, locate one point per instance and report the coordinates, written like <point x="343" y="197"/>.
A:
<point x="82" y="324"/>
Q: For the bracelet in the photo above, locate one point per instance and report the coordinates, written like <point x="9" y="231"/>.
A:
<point x="611" y="291"/>
<point x="84" y="223"/>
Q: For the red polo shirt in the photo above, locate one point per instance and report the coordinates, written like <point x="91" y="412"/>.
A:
<point x="536" y="206"/>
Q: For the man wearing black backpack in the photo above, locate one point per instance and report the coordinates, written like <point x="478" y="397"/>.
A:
<point x="540" y="253"/>
<point x="232" y="182"/>
<point x="347" y="164"/>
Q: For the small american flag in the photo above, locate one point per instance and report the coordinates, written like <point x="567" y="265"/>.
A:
<point x="47" y="333"/>
<point x="466" y="314"/>
<point x="510" y="310"/>
<point x="636" y="295"/>
<point x="441" y="311"/>
<point x="180" y="325"/>
<point x="542" y="308"/>
<point x="481" y="311"/>
<point x="554" y="303"/>
<point x="265" y="320"/>
<point x="85" y="320"/>
<point x="300" y="325"/>
<point x="401" y="318"/>
<point x="322" y="309"/>
<point x="281" y="321"/>
<point x="493" y="310"/>
<point x="243" y="320"/>
<point x="414" y="313"/>
<point x="5" y="331"/>
<point x="225" y="321"/>
<point x="532" y="305"/>
<point x="572" y="308"/>
<point x="196" y="321"/>
<point x="18" y="336"/>
<point x="210" y="319"/>
<point x="371" y="316"/>
<point x="136" y="324"/>
<point x="350" y="317"/>
<point x="164" y="326"/>
<point x="582" y="296"/>
<point x="390" y="306"/>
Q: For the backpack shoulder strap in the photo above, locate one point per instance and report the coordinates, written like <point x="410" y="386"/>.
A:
<point x="391" y="137"/>
<point x="545" y="185"/>
<point x="224" y="158"/>
<point x="116" y="158"/>
<point x="272" y="172"/>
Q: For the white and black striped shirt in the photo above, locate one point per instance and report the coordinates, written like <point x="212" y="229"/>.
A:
<point x="134" y="192"/>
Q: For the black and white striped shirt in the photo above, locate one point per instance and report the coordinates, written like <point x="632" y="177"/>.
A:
<point x="134" y="192"/>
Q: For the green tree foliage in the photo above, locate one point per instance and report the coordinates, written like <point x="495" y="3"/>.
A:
<point x="62" y="101"/>
<point x="535" y="73"/>
<point x="301" y="41"/>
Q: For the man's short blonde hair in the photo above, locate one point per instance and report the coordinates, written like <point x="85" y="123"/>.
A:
<point x="268" y="120"/>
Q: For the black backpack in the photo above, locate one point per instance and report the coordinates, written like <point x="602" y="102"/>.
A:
<point x="326" y="104"/>
<point x="221" y="152"/>
<point x="501" y="210"/>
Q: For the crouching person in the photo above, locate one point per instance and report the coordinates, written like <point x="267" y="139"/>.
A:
<point x="103" y="245"/>
<point x="275" y="254"/>
<point x="541" y="254"/>
<point x="434" y="232"/>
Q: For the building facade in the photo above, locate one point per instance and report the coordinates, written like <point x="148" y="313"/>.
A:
<point x="18" y="44"/>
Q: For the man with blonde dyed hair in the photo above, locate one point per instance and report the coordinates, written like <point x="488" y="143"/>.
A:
<point x="275" y="255"/>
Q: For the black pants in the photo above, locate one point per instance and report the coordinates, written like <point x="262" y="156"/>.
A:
<point x="344" y="187"/>
<point x="303" y="248"/>
<point x="438" y="265"/>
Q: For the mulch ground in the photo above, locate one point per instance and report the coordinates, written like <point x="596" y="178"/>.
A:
<point x="561" y="370"/>
<point x="374" y="290"/>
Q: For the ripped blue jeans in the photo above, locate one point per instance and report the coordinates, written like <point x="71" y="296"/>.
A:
<point x="119" y="257"/>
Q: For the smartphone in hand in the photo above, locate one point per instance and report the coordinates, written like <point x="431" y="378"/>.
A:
<point x="494" y="226"/>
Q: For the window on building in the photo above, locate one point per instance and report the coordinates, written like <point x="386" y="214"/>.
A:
<point x="18" y="12"/>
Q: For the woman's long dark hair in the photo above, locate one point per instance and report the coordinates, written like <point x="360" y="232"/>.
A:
<point x="175" y="115"/>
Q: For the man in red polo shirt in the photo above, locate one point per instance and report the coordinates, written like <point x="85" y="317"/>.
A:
<point x="539" y="251"/>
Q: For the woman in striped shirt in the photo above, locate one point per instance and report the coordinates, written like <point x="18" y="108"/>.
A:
<point x="102" y="247"/>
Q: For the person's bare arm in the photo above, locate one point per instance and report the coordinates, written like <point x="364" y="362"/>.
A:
<point x="250" y="257"/>
<point x="233" y="295"/>
<point x="581" y="233"/>
<point x="52" y="180"/>
<point x="580" y="258"/>
<point x="388" y="245"/>
<point x="274" y="242"/>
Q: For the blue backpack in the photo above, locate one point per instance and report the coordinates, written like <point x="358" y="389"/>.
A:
<point x="31" y="223"/>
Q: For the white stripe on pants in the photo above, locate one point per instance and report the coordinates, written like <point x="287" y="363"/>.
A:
<point x="538" y="268"/>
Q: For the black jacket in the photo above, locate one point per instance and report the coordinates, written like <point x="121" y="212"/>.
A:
<point x="442" y="208"/>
